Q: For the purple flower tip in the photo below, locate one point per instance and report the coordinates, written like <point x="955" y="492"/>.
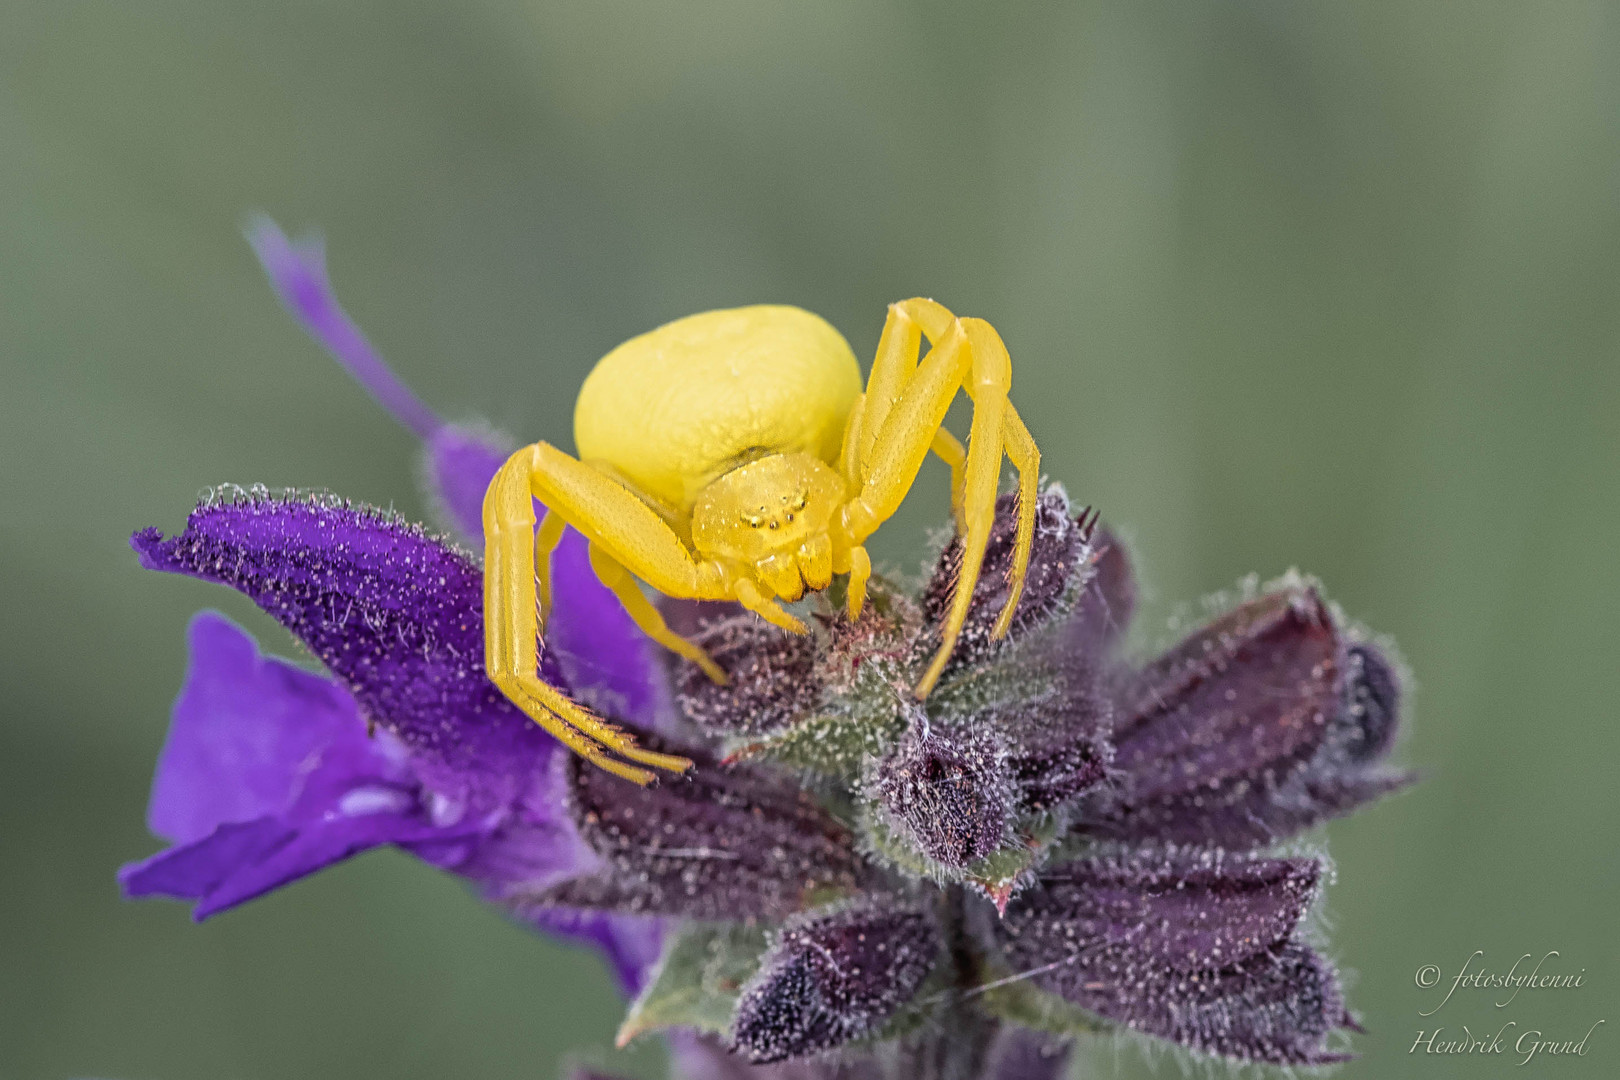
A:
<point x="297" y="271"/>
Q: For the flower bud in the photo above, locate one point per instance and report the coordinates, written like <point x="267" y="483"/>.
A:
<point x="832" y="978"/>
<point x="952" y="796"/>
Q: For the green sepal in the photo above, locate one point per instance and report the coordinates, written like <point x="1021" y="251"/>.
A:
<point x="863" y="723"/>
<point x="830" y="744"/>
<point x="1023" y="1003"/>
<point x="996" y="874"/>
<point x="698" y="980"/>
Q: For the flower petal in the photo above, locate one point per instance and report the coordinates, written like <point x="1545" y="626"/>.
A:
<point x="1199" y="949"/>
<point x="239" y="862"/>
<point x="297" y="272"/>
<point x="395" y="614"/>
<point x="247" y="732"/>
<point x="460" y="462"/>
<point x="322" y="790"/>
<point x="192" y="870"/>
<point x="267" y="775"/>
<point x="632" y="943"/>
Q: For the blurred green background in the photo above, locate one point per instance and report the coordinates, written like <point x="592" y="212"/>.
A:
<point x="1286" y="284"/>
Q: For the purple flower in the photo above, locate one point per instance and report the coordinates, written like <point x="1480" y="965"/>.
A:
<point x="848" y="883"/>
<point x="270" y="773"/>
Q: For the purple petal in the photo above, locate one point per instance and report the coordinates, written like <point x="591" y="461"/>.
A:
<point x="193" y="870"/>
<point x="297" y="271"/>
<point x="239" y="862"/>
<point x="267" y="775"/>
<point x="460" y="463"/>
<point x="632" y="943"/>
<point x="247" y="732"/>
<point x="321" y="788"/>
<point x="530" y="844"/>
<point x="310" y="849"/>
<point x="395" y="614"/>
<point x="1196" y="949"/>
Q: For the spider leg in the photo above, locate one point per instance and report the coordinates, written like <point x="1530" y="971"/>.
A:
<point x="948" y="448"/>
<point x="907" y="434"/>
<point x="612" y="517"/>
<point x="748" y="595"/>
<point x="858" y="565"/>
<point x="893" y="368"/>
<point x="511" y="631"/>
<point x="997" y="428"/>
<point x="893" y="379"/>
<point x="967" y="354"/>
<point x="910" y="431"/>
<point x="546" y="539"/>
<point x="1026" y="458"/>
<point x="849" y="457"/>
<point x="646" y="616"/>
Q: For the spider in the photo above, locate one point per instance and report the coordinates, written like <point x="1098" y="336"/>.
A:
<point x="731" y="455"/>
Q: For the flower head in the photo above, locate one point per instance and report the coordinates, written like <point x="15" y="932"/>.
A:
<point x="849" y="883"/>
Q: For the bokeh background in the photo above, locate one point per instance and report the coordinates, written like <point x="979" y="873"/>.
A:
<point x="1286" y="284"/>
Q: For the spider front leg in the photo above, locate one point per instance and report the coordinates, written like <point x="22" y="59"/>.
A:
<point x="511" y="629"/>
<point x="967" y="354"/>
<point x="858" y="565"/>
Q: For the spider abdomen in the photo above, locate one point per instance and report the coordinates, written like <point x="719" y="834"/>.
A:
<point x="675" y="408"/>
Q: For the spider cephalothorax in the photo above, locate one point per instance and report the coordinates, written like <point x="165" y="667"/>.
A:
<point x="732" y="456"/>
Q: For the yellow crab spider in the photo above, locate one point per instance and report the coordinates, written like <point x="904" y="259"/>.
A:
<point x="731" y="455"/>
